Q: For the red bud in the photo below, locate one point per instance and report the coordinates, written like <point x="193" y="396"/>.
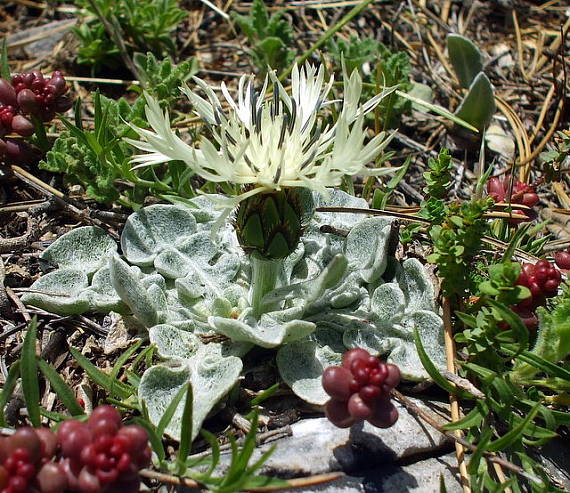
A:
<point x="27" y="101"/>
<point x="22" y="126"/>
<point x="7" y="93"/>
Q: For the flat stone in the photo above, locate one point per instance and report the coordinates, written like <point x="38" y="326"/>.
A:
<point x="369" y="456"/>
<point x="317" y="446"/>
<point x="421" y="477"/>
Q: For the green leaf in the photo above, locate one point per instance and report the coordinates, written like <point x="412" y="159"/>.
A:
<point x="438" y="110"/>
<point x="266" y="394"/>
<point x="467" y="319"/>
<point x="118" y="389"/>
<point x="265" y="483"/>
<point x="186" y="430"/>
<point x="171" y="409"/>
<point x="62" y="390"/>
<point x="8" y="388"/>
<point x="442" y="488"/>
<point x="433" y="372"/>
<point x="121" y="360"/>
<point x="214" y="445"/>
<point x="465" y="58"/>
<point x="515" y="433"/>
<point x="29" y="374"/>
<point x="4" y="66"/>
<point x="473" y="465"/>
<point x="474" y="418"/>
<point x="517" y="327"/>
<point x="259" y="17"/>
<point x="478" y="107"/>
<point x="541" y="364"/>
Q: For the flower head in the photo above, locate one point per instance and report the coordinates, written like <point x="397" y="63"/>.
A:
<point x="267" y="144"/>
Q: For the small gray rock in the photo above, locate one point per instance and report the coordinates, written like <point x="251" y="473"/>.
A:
<point x="420" y="477"/>
<point x="317" y="446"/>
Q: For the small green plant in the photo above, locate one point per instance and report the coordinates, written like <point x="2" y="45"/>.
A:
<point x="512" y="411"/>
<point x="379" y="66"/>
<point x="144" y="25"/>
<point x="457" y="239"/>
<point x="438" y="182"/>
<point x="270" y="37"/>
<point x="557" y="156"/>
<point x="99" y="159"/>
<point x="163" y="79"/>
<point x="478" y="106"/>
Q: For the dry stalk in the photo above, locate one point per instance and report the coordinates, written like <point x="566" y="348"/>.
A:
<point x="494" y="459"/>
<point x="455" y="410"/>
<point x="291" y="483"/>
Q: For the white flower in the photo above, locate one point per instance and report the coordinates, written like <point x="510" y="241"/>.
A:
<point x="266" y="144"/>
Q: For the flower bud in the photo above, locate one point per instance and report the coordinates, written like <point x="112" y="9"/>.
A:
<point x="27" y="101"/>
<point x="22" y="126"/>
<point x="7" y="93"/>
<point x="58" y="85"/>
<point x="271" y="224"/>
<point x="17" y="151"/>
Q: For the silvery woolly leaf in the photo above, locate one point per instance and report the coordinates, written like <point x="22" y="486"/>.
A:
<point x="173" y="343"/>
<point x="212" y="377"/>
<point x="417" y="286"/>
<point x="152" y="229"/>
<point x="133" y="293"/>
<point x="387" y="303"/>
<point x="85" y="249"/>
<point x="102" y="295"/>
<point x="301" y="364"/>
<point x="309" y="291"/>
<point x="367" y="247"/>
<point x="404" y="353"/>
<point x="59" y="292"/>
<point x="338" y="198"/>
<point x="266" y="333"/>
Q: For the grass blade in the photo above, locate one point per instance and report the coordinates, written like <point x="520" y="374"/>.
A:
<point x="62" y="390"/>
<point x="29" y="374"/>
<point x="438" y="110"/>
<point x="119" y="389"/>
<point x="434" y="373"/>
<point x="8" y="389"/>
<point x="514" y="434"/>
<point x="153" y="437"/>
<point x="4" y="66"/>
<point x="121" y="360"/>
<point x="170" y="410"/>
<point x="186" y="430"/>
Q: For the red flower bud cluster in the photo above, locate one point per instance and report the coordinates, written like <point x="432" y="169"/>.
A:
<point x="360" y="390"/>
<point x="29" y="94"/>
<point x="562" y="259"/>
<point x="521" y="193"/>
<point x="99" y="456"/>
<point x="41" y="97"/>
<point x="542" y="279"/>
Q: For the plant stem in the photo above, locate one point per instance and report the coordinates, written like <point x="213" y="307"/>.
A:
<point x="291" y="483"/>
<point x="455" y="410"/>
<point x="41" y="135"/>
<point x="327" y="35"/>
<point x="264" y="275"/>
